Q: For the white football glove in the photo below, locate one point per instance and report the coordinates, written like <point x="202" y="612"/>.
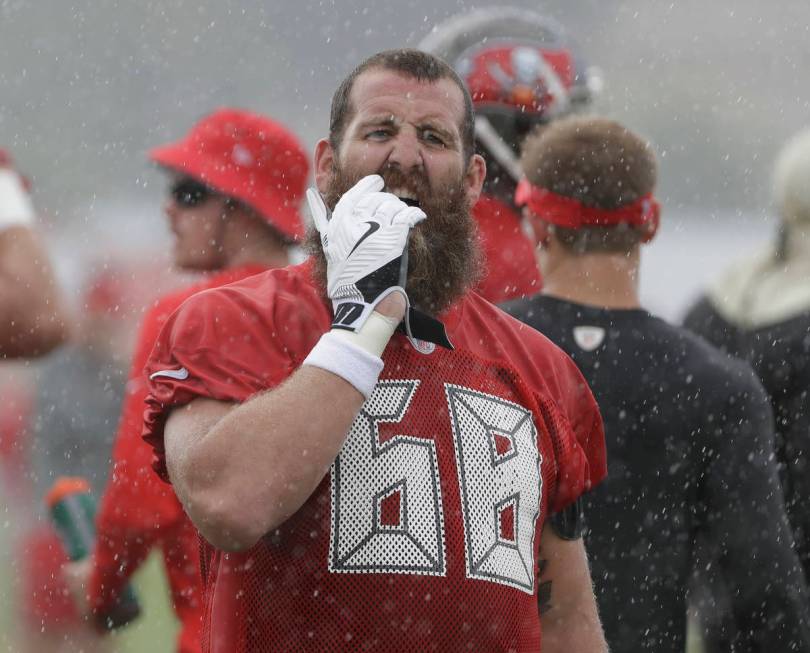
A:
<point x="365" y="243"/>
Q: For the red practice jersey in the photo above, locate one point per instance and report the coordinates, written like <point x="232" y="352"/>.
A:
<point x="511" y="268"/>
<point x="425" y="534"/>
<point x="138" y="511"/>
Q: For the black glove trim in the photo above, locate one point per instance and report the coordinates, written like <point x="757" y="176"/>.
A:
<point x="425" y="327"/>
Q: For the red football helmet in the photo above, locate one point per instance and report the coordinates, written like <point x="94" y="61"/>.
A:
<point x="521" y="70"/>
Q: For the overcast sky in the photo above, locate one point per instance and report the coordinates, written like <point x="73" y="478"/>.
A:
<point x="87" y="87"/>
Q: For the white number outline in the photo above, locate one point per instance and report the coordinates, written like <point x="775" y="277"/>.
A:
<point x="366" y="424"/>
<point x="523" y="430"/>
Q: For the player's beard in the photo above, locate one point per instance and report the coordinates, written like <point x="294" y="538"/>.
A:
<point x="444" y="257"/>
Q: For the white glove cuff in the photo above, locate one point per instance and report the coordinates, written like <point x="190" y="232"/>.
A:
<point x="349" y="361"/>
<point x="15" y="204"/>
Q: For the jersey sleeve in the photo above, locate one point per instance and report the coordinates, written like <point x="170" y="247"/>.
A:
<point x="136" y="508"/>
<point x="579" y="437"/>
<point x="226" y="344"/>
<point x="746" y="522"/>
<point x="568" y="411"/>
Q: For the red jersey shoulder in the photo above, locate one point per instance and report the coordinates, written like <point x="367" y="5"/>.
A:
<point x="491" y="333"/>
<point x="280" y="304"/>
<point x="229" y="342"/>
<point x="160" y="311"/>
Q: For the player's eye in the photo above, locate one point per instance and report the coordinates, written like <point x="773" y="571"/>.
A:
<point x="433" y="137"/>
<point x="188" y="192"/>
<point x="378" y="134"/>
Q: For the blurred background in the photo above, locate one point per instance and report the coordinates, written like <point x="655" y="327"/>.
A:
<point x="87" y="87"/>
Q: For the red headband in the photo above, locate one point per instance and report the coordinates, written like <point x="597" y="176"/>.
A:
<point x="568" y="212"/>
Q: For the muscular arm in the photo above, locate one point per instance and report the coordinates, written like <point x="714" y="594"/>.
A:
<point x="241" y="471"/>
<point x="32" y="318"/>
<point x="572" y="621"/>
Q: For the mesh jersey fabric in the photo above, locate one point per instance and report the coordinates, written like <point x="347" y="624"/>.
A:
<point x="690" y="449"/>
<point x="425" y="533"/>
<point x="511" y="268"/>
<point x="137" y="511"/>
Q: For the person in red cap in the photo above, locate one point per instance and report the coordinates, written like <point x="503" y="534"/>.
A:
<point x="688" y="430"/>
<point x="237" y="180"/>
<point x="521" y="70"/>
<point x="32" y="314"/>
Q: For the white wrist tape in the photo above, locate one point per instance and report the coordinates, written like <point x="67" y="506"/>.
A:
<point x="373" y="336"/>
<point x="15" y="204"/>
<point x="355" y="355"/>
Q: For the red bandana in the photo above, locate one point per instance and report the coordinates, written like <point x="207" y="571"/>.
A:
<point x="568" y="212"/>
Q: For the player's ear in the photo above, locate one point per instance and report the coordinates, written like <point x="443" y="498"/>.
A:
<point x="324" y="163"/>
<point x="474" y="178"/>
<point x="539" y="230"/>
<point x="650" y="228"/>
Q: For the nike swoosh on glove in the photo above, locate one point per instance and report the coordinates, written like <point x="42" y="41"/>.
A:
<point x="365" y="244"/>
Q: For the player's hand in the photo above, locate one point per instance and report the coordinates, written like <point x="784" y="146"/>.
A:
<point x="77" y="577"/>
<point x="365" y="244"/>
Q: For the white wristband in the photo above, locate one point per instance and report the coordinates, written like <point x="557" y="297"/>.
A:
<point x="15" y="204"/>
<point x="350" y="362"/>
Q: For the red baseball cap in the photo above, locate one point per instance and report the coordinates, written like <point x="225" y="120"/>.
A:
<point x="248" y="157"/>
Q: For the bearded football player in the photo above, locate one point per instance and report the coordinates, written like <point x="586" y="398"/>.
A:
<point x="369" y="449"/>
<point x="688" y="430"/>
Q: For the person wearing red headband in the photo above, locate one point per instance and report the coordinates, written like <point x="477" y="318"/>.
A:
<point x="688" y="430"/>
<point x="236" y="182"/>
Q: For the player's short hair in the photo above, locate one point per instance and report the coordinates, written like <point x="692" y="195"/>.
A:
<point x="601" y="164"/>
<point x="423" y="67"/>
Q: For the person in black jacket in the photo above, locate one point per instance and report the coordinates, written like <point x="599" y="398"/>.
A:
<point x="689" y="430"/>
<point x="760" y="310"/>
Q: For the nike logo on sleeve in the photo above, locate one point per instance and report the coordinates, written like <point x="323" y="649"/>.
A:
<point x="180" y="375"/>
<point x="372" y="227"/>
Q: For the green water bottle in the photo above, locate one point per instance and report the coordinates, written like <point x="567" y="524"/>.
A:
<point x="73" y="512"/>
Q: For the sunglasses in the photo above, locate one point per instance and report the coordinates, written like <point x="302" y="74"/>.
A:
<point x="188" y="193"/>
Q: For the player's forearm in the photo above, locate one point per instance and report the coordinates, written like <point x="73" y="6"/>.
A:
<point x="261" y="461"/>
<point x="32" y="319"/>
<point x="572" y="622"/>
<point x="577" y="631"/>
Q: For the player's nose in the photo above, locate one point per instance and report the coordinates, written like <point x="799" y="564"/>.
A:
<point x="406" y="151"/>
<point x="170" y="209"/>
